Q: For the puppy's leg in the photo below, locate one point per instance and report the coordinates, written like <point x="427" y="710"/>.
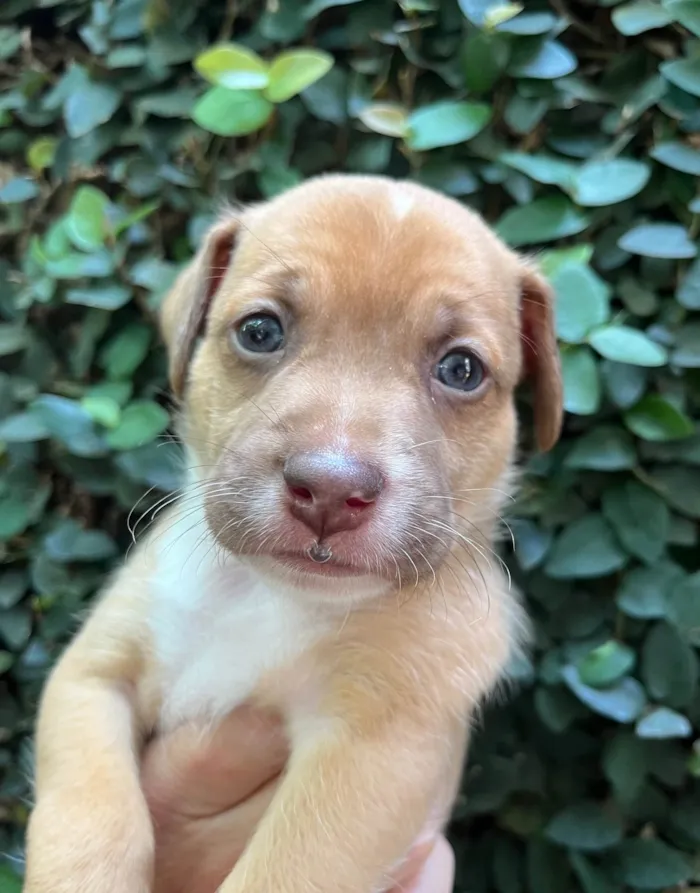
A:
<point x="350" y="806"/>
<point x="90" y="831"/>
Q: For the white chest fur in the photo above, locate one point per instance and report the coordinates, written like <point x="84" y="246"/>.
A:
<point x="218" y="627"/>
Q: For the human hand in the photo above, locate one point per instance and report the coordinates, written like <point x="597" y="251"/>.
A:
<point x="207" y="794"/>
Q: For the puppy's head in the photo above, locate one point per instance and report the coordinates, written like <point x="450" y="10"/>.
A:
<point x="347" y="356"/>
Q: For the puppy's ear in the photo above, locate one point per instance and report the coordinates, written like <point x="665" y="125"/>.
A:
<point x="183" y="313"/>
<point x="541" y="362"/>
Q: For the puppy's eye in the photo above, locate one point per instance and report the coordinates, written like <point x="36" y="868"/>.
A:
<point x="260" y="333"/>
<point x="461" y="370"/>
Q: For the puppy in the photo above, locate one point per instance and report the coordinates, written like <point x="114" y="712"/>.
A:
<point x="346" y="356"/>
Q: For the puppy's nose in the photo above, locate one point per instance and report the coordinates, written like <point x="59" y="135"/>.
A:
<point x="331" y="491"/>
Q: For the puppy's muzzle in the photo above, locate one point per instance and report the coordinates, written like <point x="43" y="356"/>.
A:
<point x="331" y="492"/>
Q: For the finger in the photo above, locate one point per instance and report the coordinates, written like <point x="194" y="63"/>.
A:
<point x="438" y="872"/>
<point x="198" y="772"/>
<point x="199" y="854"/>
<point x="429" y="868"/>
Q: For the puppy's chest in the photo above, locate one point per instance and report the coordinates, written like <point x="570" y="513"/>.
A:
<point x="219" y="635"/>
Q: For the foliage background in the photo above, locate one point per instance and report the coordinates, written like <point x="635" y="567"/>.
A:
<point x="574" y="127"/>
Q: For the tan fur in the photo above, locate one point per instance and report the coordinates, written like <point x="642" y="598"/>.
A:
<point x="377" y="278"/>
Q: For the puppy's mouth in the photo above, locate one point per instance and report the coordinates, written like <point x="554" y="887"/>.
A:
<point x="318" y="561"/>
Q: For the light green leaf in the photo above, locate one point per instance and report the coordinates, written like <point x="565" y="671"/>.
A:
<point x="387" y="118"/>
<point x="663" y="240"/>
<point x="622" y="702"/>
<point x="23" y="427"/>
<point x="585" y="549"/>
<point x="88" y="106"/>
<point x="679" y="156"/>
<point x="582" y="302"/>
<point x="550" y="61"/>
<point x="107" y="297"/>
<point x="86" y="222"/>
<point x="585" y="826"/>
<point x="18" y="190"/>
<point x="547" y="169"/>
<point x="446" y="124"/>
<point x="606" y="664"/>
<point x="626" y="345"/>
<point x="639" y="16"/>
<point x="234" y="66"/>
<point x="13" y="338"/>
<point x="295" y="70"/>
<point x="232" y="112"/>
<point x="103" y="409"/>
<point x="662" y="722"/>
<point x="684" y="73"/>
<point x="41" y="152"/>
<point x="601" y="183"/>
<point x="687" y="12"/>
<point x="655" y="419"/>
<point x="581" y="381"/>
<point x="543" y="220"/>
<point x="140" y="423"/>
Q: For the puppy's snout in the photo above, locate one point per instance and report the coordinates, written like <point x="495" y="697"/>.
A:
<point x="331" y="491"/>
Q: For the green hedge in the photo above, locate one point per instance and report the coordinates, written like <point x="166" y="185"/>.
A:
<point x="574" y="128"/>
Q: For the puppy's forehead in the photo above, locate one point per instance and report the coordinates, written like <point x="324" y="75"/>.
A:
<point x="380" y="246"/>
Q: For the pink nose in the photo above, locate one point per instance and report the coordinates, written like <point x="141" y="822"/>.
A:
<point x="331" y="492"/>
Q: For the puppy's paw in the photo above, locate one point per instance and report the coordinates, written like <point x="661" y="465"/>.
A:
<point x="75" y="847"/>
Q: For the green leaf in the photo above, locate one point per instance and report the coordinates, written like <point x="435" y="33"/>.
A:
<point x="295" y="70"/>
<point x="13" y="338"/>
<point x="605" y="448"/>
<point x="23" y="427"/>
<point x="86" y="223"/>
<point x="446" y="124"/>
<point x="546" y="169"/>
<point x="585" y="826"/>
<point x="684" y="608"/>
<point x="102" y="409"/>
<point x="669" y="666"/>
<point x="639" y="16"/>
<point x="140" y="423"/>
<point x="68" y="422"/>
<point x="18" y="190"/>
<point x="478" y="12"/>
<point x="663" y="723"/>
<point x="686" y="352"/>
<point x="233" y="66"/>
<point x="644" y="591"/>
<point x="622" y="702"/>
<point x="684" y="73"/>
<point x="543" y="220"/>
<point x="623" y="344"/>
<point x="126" y="351"/>
<point x="655" y="419"/>
<point x="549" y="61"/>
<point x="106" y="297"/>
<point x="601" y="183"/>
<point x="592" y="879"/>
<point x="640" y="518"/>
<point x="662" y="240"/>
<point x="586" y="548"/>
<point x="650" y="864"/>
<point x="88" y="106"/>
<point x="582" y="302"/>
<point x="606" y="664"/>
<point x="69" y="542"/>
<point x="41" y="153"/>
<point x="679" y="156"/>
<point x="686" y="12"/>
<point x="387" y="118"/>
<point x="232" y="112"/>
<point x="581" y="381"/>
<point x="531" y="543"/>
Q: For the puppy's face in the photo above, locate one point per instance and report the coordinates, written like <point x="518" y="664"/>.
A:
<point x="348" y="355"/>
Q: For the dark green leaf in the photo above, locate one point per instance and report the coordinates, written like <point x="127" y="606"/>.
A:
<point x="605" y="448"/>
<point x="585" y="548"/>
<point x="543" y="220"/>
<point x="640" y="518"/>
<point x="585" y="826"/>
<point x="446" y="124"/>
<point x="650" y="864"/>
<point x="606" y="664"/>
<point x="669" y="667"/>
<point x="655" y="419"/>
